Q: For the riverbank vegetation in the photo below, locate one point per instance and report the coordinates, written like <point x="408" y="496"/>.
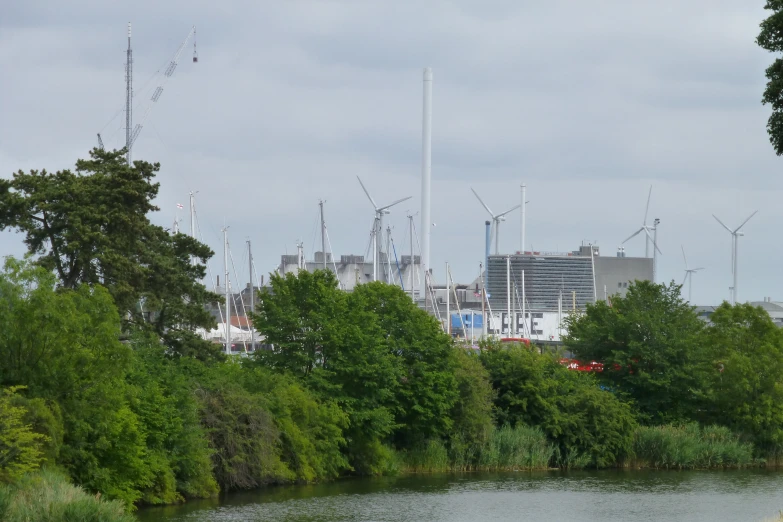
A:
<point x="104" y="382"/>
<point x="48" y="495"/>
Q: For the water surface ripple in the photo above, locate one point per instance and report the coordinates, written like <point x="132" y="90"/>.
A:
<point x="639" y="496"/>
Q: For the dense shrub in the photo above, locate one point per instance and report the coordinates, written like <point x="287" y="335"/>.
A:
<point x="21" y="448"/>
<point x="587" y="425"/>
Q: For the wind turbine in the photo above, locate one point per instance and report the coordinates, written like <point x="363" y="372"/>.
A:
<point x="496" y="218"/>
<point x="689" y="273"/>
<point x="378" y="228"/>
<point x="734" y="240"/>
<point x="649" y="238"/>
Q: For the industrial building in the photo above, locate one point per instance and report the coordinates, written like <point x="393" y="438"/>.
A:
<point x="555" y="284"/>
<point x="353" y="270"/>
<point x="773" y="308"/>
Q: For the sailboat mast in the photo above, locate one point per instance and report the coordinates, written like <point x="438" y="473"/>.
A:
<point x="192" y="216"/>
<point x="508" y="292"/>
<point x="375" y="250"/>
<point x="448" y="302"/>
<point x="323" y="233"/>
<point x="413" y="265"/>
<point x="252" y="296"/>
<point x="228" y="294"/>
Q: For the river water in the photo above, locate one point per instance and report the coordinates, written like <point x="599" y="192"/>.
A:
<point x="707" y="496"/>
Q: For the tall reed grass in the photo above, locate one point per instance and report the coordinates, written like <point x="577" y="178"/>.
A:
<point x="504" y="449"/>
<point x="689" y="447"/>
<point x="48" y="495"/>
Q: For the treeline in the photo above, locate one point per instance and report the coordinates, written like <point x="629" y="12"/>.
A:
<point x="366" y="383"/>
<point x="104" y="381"/>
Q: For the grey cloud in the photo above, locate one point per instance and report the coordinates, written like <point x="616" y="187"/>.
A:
<point x="588" y="102"/>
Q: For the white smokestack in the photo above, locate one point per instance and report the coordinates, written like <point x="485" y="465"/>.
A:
<point x="426" y="178"/>
<point x="522" y="219"/>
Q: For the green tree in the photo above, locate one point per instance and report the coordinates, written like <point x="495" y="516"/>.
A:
<point x="649" y="343"/>
<point x="311" y="430"/>
<point x="472" y="413"/>
<point x="21" y="449"/>
<point x="63" y="345"/>
<point x="427" y="391"/>
<point x="771" y="38"/>
<point x="92" y="227"/>
<point x="161" y="394"/>
<point x="304" y="316"/>
<point x="588" y="425"/>
<point x="335" y="346"/>
<point x="746" y="392"/>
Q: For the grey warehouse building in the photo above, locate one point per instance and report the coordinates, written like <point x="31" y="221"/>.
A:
<point x="580" y="277"/>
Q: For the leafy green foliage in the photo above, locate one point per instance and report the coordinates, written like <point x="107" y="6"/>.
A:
<point x="177" y="452"/>
<point x="746" y="385"/>
<point x="337" y="349"/>
<point x="44" y="417"/>
<point x="385" y="362"/>
<point x="422" y="352"/>
<point x="20" y="447"/>
<point x="771" y="38"/>
<point x="311" y="431"/>
<point x="243" y="436"/>
<point x="303" y="316"/>
<point x="649" y="343"/>
<point x="586" y="424"/>
<point x="91" y="227"/>
<point x="472" y="413"/>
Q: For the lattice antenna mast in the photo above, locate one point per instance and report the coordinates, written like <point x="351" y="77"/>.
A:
<point x="129" y="97"/>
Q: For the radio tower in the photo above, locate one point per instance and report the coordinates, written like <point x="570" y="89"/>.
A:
<point x="129" y="96"/>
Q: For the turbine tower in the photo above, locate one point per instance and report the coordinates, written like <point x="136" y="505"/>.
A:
<point x="496" y="218"/>
<point x="688" y="273"/>
<point x="734" y="240"/>
<point x="649" y="237"/>
<point x="377" y="230"/>
<point x="645" y="228"/>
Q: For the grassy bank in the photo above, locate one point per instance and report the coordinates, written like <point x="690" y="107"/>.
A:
<point x="48" y="495"/>
<point x="689" y="447"/>
<point x="504" y="449"/>
<point x="524" y="448"/>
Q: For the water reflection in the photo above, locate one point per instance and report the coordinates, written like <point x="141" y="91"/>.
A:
<point x="573" y="496"/>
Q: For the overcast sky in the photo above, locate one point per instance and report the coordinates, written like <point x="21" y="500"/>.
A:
<point x="587" y="102"/>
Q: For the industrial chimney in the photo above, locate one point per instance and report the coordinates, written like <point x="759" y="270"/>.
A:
<point x="426" y="179"/>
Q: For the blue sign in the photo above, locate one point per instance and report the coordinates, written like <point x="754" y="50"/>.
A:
<point x="467" y="321"/>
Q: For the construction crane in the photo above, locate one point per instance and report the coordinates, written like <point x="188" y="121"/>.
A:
<point x="132" y="132"/>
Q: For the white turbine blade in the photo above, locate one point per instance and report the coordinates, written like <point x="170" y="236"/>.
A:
<point x="743" y="223"/>
<point x="632" y="235"/>
<point x="396" y="202"/>
<point x="653" y="241"/>
<point x="482" y="203"/>
<point x="685" y="278"/>
<point x="507" y="211"/>
<point x="721" y="223"/>
<point x="695" y="269"/>
<point x="647" y="208"/>
<point x="368" y="194"/>
<point x="685" y="258"/>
